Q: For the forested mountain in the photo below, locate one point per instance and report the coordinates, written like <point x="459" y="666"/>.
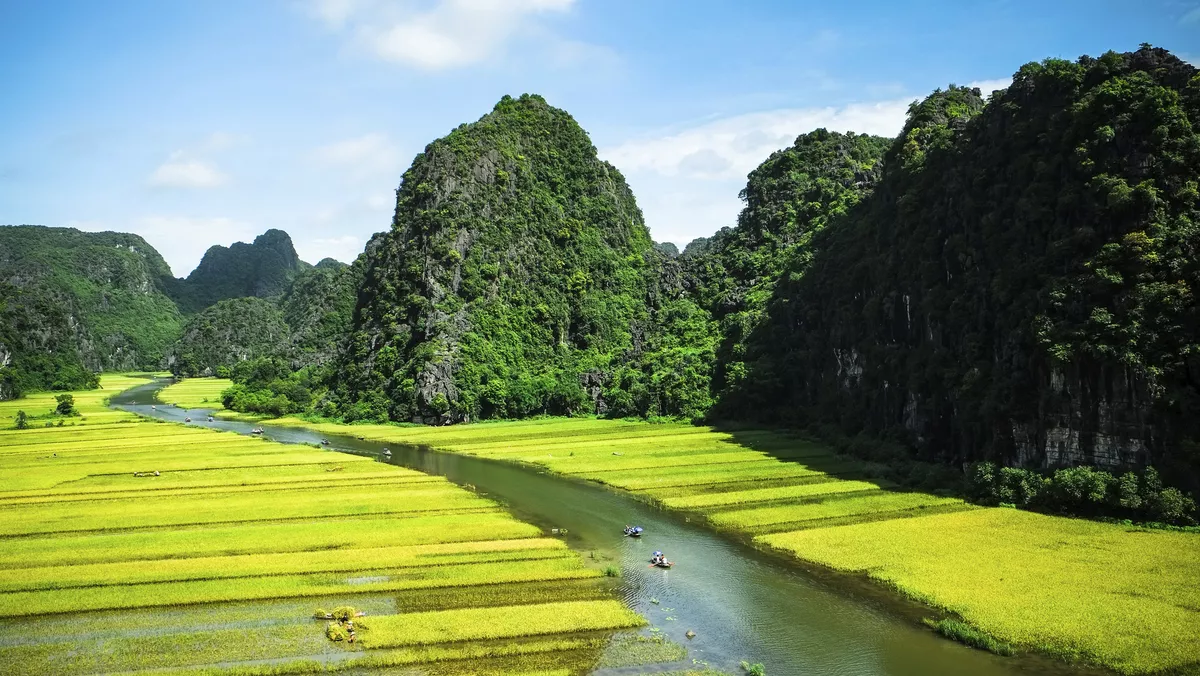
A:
<point x="263" y="269"/>
<point x="318" y="307"/>
<point x="1019" y="286"/>
<point x="1009" y="280"/>
<point x="516" y="279"/>
<point x="72" y="303"/>
<point x="789" y="198"/>
<point x="229" y="332"/>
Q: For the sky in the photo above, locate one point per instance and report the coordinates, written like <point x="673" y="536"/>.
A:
<point x="195" y="123"/>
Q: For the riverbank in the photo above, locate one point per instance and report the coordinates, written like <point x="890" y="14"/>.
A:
<point x="134" y="545"/>
<point x="1120" y="597"/>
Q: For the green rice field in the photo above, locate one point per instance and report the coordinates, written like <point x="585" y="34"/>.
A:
<point x="129" y="545"/>
<point x="195" y="393"/>
<point x="1121" y="597"/>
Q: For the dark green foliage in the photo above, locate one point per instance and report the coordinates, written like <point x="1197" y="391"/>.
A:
<point x="263" y="269"/>
<point x="64" y="404"/>
<point x="962" y="632"/>
<point x="516" y="280"/>
<point x="790" y="197"/>
<point x="318" y="307"/>
<point x="269" y="385"/>
<point x="72" y="303"/>
<point x="1019" y="285"/>
<point x="1082" y="491"/>
<point x="227" y="333"/>
<point x="667" y="249"/>
<point x="22" y="421"/>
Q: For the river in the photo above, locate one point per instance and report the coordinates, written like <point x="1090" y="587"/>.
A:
<point x="741" y="603"/>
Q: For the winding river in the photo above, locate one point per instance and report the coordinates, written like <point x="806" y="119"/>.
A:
<point x="741" y="603"/>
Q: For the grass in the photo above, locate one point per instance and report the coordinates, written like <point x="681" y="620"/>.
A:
<point x="493" y="623"/>
<point x="195" y="393"/>
<point x="1123" y="598"/>
<point x="220" y="559"/>
<point x="964" y="633"/>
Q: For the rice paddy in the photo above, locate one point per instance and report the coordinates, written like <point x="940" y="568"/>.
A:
<point x="195" y="393"/>
<point x="1121" y="597"/>
<point x="135" y="546"/>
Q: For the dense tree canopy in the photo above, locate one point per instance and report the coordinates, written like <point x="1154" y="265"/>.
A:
<point x="72" y="303"/>
<point x="515" y="281"/>
<point x="228" y="333"/>
<point x="1021" y="284"/>
<point x="264" y="268"/>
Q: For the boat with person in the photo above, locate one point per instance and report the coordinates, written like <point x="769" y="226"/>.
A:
<point x="634" y="531"/>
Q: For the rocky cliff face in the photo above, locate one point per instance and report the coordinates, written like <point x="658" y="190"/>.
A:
<point x="511" y="281"/>
<point x="262" y="269"/>
<point x="1021" y="284"/>
<point x="75" y="302"/>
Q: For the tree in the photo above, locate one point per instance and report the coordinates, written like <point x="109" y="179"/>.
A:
<point x="66" y="404"/>
<point x="22" y="420"/>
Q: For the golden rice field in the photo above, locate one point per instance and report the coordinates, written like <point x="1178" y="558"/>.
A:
<point x="142" y="547"/>
<point x="1121" y="597"/>
<point x="195" y="393"/>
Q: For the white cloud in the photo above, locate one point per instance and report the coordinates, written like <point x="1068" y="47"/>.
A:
<point x="182" y="241"/>
<point x="989" y="86"/>
<point x="180" y="172"/>
<point x="370" y="149"/>
<point x="1191" y="17"/>
<point x="345" y="248"/>
<point x="450" y="34"/>
<point x="687" y="180"/>
<point x="731" y="147"/>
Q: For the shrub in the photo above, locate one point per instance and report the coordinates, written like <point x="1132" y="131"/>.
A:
<point x="22" y="420"/>
<point x="755" y="669"/>
<point x="66" y="404"/>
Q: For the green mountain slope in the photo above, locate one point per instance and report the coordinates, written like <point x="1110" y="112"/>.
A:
<point x="73" y="302"/>
<point x="229" y="332"/>
<point x="264" y="269"/>
<point x="1020" y="285"/>
<point x="789" y="198"/>
<point x="318" y="307"/>
<point x="515" y="280"/>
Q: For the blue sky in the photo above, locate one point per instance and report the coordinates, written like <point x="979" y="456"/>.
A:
<point x="206" y="122"/>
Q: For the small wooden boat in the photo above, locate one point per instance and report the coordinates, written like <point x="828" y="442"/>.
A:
<point x="324" y="442"/>
<point x="634" y="532"/>
<point x="187" y="420"/>
<point x="256" y="430"/>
